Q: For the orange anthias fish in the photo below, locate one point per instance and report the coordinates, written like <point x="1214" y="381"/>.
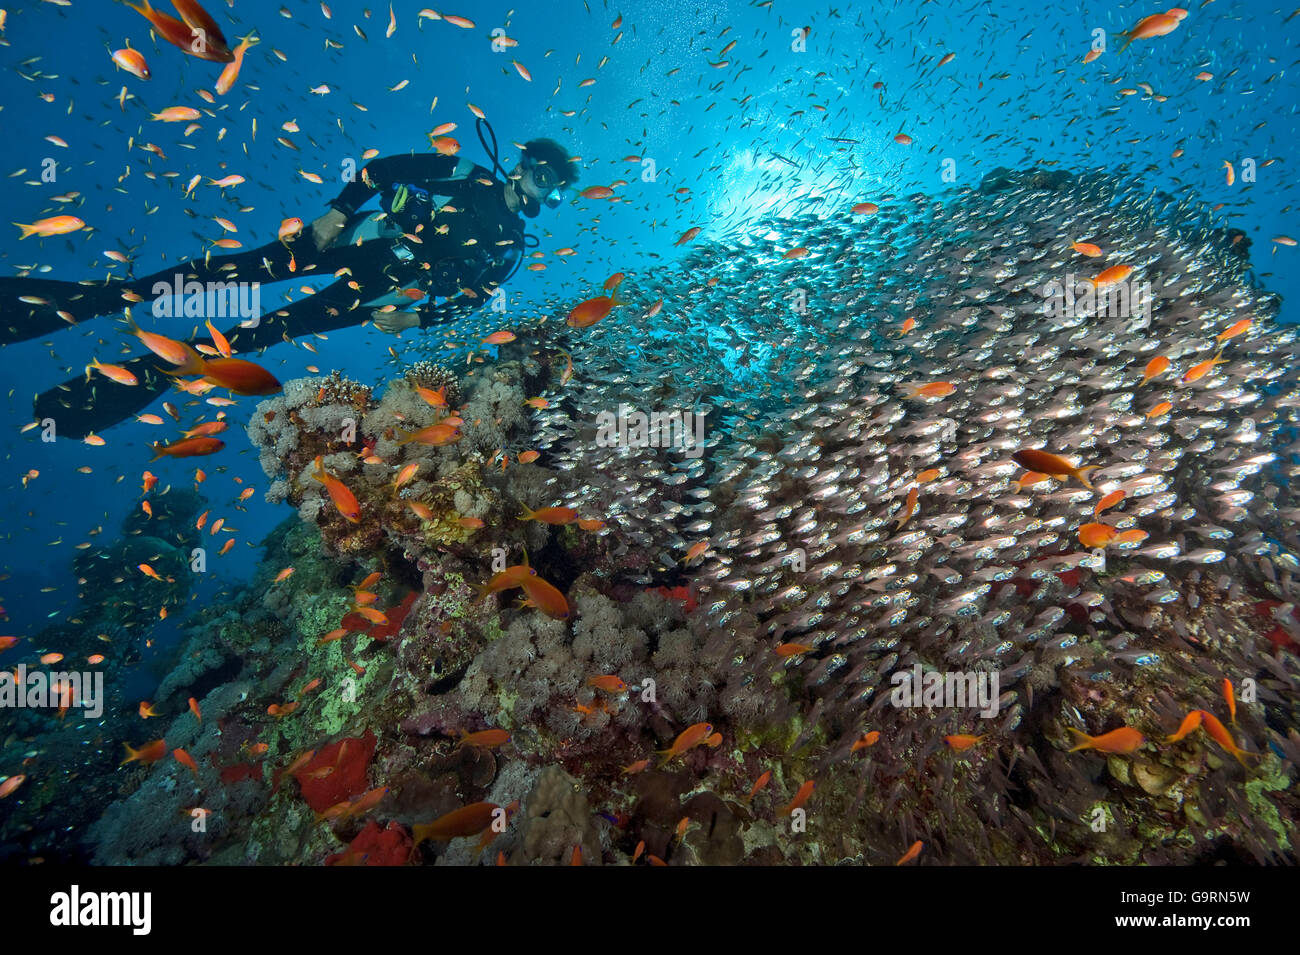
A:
<point x="865" y="741"/>
<point x="799" y="799"/>
<point x="147" y="754"/>
<point x="186" y="760"/>
<point x="910" y="507"/>
<point x="1123" y="740"/>
<point x="610" y="683"/>
<point x="184" y="34"/>
<point x="786" y="650"/>
<point x="344" y="500"/>
<point x="507" y="579"/>
<point x="557" y="516"/>
<point x="177" y="114"/>
<point x="206" y="428"/>
<point x="55" y="225"/>
<point x="591" y="311"/>
<point x="241" y="377"/>
<point x="1201" y="369"/>
<point x="231" y="73"/>
<point x="688" y="738"/>
<point x="435" y="399"/>
<point x="1045" y="463"/>
<point x="546" y="597"/>
<point x="961" y="741"/>
<point x="1096" y="535"/>
<point x="1230" y="697"/>
<point x="1191" y="722"/>
<point x="1158" y="24"/>
<point x="1156" y="366"/>
<point x="459" y="823"/>
<point x="406" y="474"/>
<point x="162" y="346"/>
<point x="1111" y="276"/>
<point x="1233" y="330"/>
<point x="758" y="785"/>
<point x="1109" y="501"/>
<point x="132" y="61"/>
<point x="372" y="614"/>
<point x="933" y="389"/>
<point x="1086" y="248"/>
<point x="351" y="808"/>
<point x="123" y="376"/>
<point x="696" y="549"/>
<point x="911" y="853"/>
<point x="435" y="435"/>
<point x="485" y="738"/>
<point x="1219" y="733"/>
<point x="187" y="448"/>
<point x="1029" y="479"/>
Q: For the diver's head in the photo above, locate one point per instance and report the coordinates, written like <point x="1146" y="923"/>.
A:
<point x="543" y="173"/>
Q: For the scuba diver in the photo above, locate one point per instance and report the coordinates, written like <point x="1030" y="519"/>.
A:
<point x="461" y="250"/>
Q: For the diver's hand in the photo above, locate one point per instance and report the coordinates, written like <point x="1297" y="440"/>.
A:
<point x="326" y="229"/>
<point x="395" y="322"/>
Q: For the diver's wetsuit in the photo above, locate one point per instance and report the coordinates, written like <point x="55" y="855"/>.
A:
<point x="462" y="250"/>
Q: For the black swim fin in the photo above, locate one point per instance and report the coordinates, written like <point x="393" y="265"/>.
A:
<point x="22" y="320"/>
<point x="79" y="406"/>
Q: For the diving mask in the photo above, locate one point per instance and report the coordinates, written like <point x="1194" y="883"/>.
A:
<point x="548" y="182"/>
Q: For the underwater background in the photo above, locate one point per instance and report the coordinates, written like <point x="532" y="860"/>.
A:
<point x="855" y="509"/>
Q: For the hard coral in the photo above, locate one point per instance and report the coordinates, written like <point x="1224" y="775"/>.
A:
<point x="428" y="374"/>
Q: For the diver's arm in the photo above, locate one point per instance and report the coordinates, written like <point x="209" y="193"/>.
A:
<point x="427" y="316"/>
<point x="453" y="308"/>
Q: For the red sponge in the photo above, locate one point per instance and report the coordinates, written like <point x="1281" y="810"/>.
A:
<point x="375" y="846"/>
<point x="337" y="772"/>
